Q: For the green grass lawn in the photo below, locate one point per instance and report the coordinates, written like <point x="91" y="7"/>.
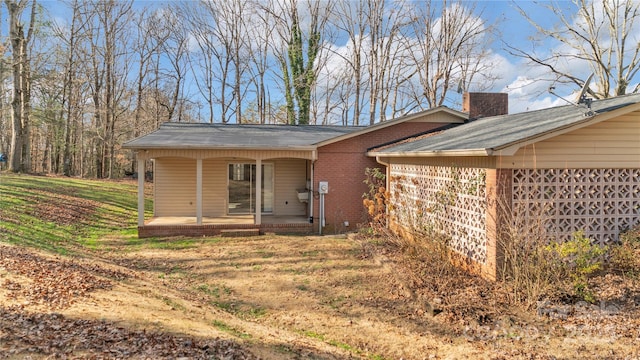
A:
<point x="59" y="214"/>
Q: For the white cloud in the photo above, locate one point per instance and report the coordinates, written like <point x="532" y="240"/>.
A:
<point x="528" y="84"/>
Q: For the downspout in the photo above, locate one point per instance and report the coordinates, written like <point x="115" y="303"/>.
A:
<point x="387" y="171"/>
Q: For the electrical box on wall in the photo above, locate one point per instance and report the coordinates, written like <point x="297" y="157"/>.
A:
<point x="323" y="187"/>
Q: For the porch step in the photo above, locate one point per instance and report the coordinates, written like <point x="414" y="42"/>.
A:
<point x="239" y="232"/>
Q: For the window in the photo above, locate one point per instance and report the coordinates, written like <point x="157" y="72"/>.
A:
<point x="242" y="188"/>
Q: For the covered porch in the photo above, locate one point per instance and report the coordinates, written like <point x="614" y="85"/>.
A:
<point x="206" y="193"/>
<point x="209" y="177"/>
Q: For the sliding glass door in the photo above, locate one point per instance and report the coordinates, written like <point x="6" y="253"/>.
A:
<point x="242" y="188"/>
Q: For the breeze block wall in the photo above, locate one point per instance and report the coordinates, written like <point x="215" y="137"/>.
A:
<point x="443" y="199"/>
<point x="601" y="202"/>
<point x="474" y="207"/>
<point x="343" y="165"/>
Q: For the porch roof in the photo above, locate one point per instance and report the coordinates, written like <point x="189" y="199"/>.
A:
<point x="203" y="136"/>
<point x="234" y="136"/>
<point x="506" y="133"/>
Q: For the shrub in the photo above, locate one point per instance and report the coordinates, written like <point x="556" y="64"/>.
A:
<point x="580" y="259"/>
<point x="375" y="200"/>
<point x="625" y="255"/>
<point x="529" y="269"/>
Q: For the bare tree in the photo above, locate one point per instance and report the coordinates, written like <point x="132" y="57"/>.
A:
<point x="202" y="62"/>
<point x="220" y="31"/>
<point x="105" y="81"/>
<point x="261" y="25"/>
<point x="298" y="51"/>
<point x="20" y="152"/>
<point x="451" y="49"/>
<point x="600" y="34"/>
<point x="385" y="27"/>
<point x="147" y="45"/>
<point x="173" y="40"/>
<point x="109" y="35"/>
<point x="351" y="18"/>
<point x="69" y="38"/>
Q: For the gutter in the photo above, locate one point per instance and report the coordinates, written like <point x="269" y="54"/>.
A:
<point x="433" y="153"/>
<point x="196" y="147"/>
<point x="387" y="171"/>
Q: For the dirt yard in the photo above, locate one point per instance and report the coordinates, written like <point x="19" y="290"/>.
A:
<point x="278" y="297"/>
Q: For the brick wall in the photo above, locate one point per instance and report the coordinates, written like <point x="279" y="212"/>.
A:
<point x="499" y="194"/>
<point x="215" y="230"/>
<point x="485" y="104"/>
<point x="343" y="165"/>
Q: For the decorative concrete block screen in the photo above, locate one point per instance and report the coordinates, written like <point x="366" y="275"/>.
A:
<point x="449" y="200"/>
<point x="601" y="202"/>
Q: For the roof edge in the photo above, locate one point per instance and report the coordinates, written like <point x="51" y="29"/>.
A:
<point x="513" y="147"/>
<point x="226" y="148"/>
<point x="458" y="153"/>
<point x="381" y="125"/>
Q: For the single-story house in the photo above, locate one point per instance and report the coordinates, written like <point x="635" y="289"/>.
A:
<point x="214" y="178"/>
<point x="577" y="167"/>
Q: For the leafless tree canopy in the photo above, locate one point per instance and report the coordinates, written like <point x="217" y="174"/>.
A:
<point x="598" y="36"/>
<point x="75" y="88"/>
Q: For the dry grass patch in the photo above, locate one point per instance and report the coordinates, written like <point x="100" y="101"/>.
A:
<point x="280" y="297"/>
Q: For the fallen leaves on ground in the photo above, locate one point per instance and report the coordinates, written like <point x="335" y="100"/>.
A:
<point x="483" y="312"/>
<point x="23" y="333"/>
<point x="56" y="282"/>
<point x="64" y="209"/>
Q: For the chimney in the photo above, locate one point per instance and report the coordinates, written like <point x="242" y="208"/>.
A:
<point x="479" y="104"/>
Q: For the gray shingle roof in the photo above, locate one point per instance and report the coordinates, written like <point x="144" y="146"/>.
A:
<point x="499" y="132"/>
<point x="234" y="136"/>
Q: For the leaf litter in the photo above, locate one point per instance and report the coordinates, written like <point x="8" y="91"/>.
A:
<point x="408" y="294"/>
<point x="57" y="283"/>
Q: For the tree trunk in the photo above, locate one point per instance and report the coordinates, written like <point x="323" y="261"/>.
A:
<point x="20" y="151"/>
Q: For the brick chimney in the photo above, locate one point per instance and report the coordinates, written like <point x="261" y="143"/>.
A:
<point x="479" y="104"/>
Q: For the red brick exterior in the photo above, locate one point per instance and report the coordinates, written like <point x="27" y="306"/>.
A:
<point x="485" y="104"/>
<point x="499" y="189"/>
<point x="216" y="230"/>
<point x="343" y="164"/>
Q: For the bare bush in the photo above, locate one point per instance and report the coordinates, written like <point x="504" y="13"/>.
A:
<point x="625" y="255"/>
<point x="376" y="201"/>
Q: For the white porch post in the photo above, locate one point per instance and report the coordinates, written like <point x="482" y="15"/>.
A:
<point x="258" y="219"/>
<point x="199" y="191"/>
<point x="141" y="174"/>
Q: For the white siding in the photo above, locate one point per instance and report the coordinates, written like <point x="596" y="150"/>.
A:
<point x="290" y="174"/>
<point x="214" y="187"/>
<point x="613" y="143"/>
<point x="175" y="187"/>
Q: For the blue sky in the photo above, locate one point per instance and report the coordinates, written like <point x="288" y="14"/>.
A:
<point x="516" y="78"/>
<point x="514" y="31"/>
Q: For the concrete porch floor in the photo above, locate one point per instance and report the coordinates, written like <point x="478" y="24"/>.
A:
<point x="225" y="220"/>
